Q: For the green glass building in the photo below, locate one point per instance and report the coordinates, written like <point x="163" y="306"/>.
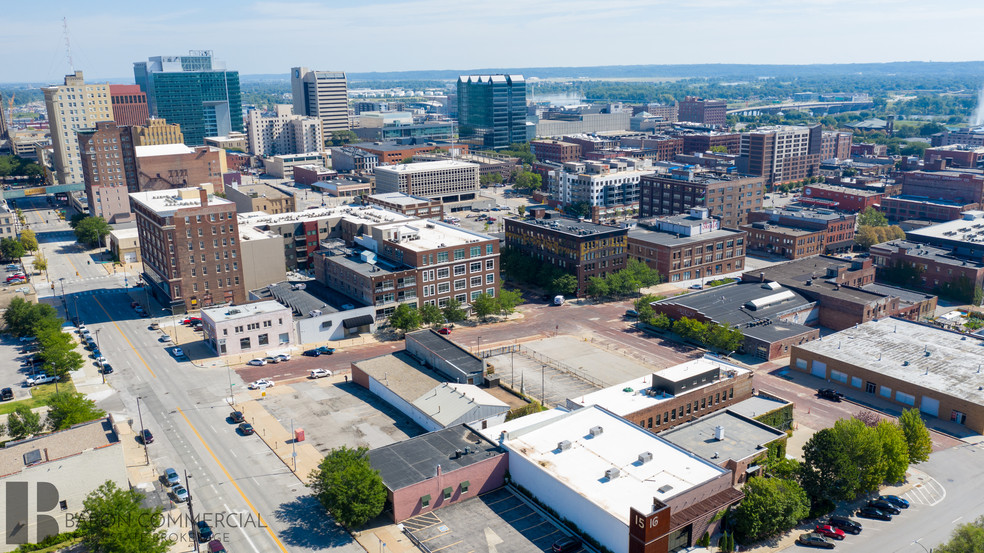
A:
<point x="493" y="107"/>
<point x="195" y="91"/>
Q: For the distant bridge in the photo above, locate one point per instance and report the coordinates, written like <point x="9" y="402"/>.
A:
<point x="828" y="107"/>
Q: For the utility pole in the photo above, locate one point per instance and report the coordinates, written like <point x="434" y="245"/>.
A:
<point x="293" y="445"/>
<point x="142" y="440"/>
<point x="191" y="511"/>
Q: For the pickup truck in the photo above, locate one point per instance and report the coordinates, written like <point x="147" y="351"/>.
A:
<point x="40" y="379"/>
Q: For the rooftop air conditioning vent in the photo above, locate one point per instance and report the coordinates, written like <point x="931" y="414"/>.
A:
<point x="564" y="445"/>
<point x="645" y="457"/>
<point x="612" y="473"/>
<point x="596" y="431"/>
<point x="665" y="489"/>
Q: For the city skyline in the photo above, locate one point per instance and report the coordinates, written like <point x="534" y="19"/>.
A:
<point x="550" y="33"/>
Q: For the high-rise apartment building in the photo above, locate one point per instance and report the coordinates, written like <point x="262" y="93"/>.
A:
<point x="283" y="132"/>
<point x="189" y="247"/>
<point x="129" y="104"/>
<point x="108" y="169"/>
<point x="493" y="108"/>
<point x="781" y="154"/>
<point x="321" y="94"/>
<point x="74" y="105"/>
<point x="705" y="112"/>
<point x="156" y="131"/>
<point x="729" y="197"/>
<point x="195" y="91"/>
<point x="835" y="145"/>
<point x="450" y="180"/>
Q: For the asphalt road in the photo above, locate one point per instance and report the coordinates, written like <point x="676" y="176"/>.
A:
<point x="264" y="507"/>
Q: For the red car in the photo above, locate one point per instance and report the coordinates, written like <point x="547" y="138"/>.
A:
<point x="444" y="330"/>
<point x="830" y="531"/>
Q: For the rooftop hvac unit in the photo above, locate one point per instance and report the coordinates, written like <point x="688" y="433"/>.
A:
<point x="664" y="489"/>
<point x="719" y="433"/>
<point x="596" y="431"/>
<point x="564" y="445"/>
<point x="612" y="473"/>
<point x="645" y="457"/>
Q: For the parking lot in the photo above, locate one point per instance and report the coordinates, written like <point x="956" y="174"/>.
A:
<point x="14" y="366"/>
<point x="497" y="521"/>
<point x="334" y="413"/>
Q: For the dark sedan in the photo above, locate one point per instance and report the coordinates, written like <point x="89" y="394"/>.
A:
<point x="871" y="512"/>
<point x="895" y="500"/>
<point x="246" y="428"/>
<point x="846" y="524"/>
<point x="882" y="505"/>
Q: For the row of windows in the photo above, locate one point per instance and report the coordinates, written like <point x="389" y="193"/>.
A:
<point x="684" y="410"/>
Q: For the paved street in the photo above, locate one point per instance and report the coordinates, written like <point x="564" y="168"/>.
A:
<point x="233" y="477"/>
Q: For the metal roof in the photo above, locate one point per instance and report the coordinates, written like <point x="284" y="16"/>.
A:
<point x="417" y="459"/>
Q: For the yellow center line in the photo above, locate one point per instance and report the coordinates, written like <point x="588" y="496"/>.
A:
<point x="120" y="330"/>
<point x="229" y="476"/>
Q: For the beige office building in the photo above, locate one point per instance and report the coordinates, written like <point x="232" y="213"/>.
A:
<point x="283" y="132"/>
<point x="74" y="105"/>
<point x="157" y="131"/>
<point x="321" y="94"/>
<point x="449" y="180"/>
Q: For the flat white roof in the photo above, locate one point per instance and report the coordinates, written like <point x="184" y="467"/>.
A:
<point x="124" y="233"/>
<point x="424" y="166"/>
<point x="163" y="150"/>
<point x="399" y="198"/>
<point x="233" y="312"/>
<point x="629" y="397"/>
<point x="167" y="202"/>
<point x="582" y="468"/>
<point x="945" y="362"/>
<point x="367" y="214"/>
<point x="435" y="234"/>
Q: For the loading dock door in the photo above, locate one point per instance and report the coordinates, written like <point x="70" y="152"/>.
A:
<point x="930" y="406"/>
<point x="819" y="369"/>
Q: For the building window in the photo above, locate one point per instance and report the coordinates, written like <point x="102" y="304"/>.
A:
<point x="464" y="486"/>
<point x="461" y="298"/>
<point x="284" y="338"/>
<point x="490" y="264"/>
<point x="459" y="270"/>
<point x="425" y="500"/>
<point x="459" y="254"/>
<point x="475" y="294"/>
<point x="459" y="284"/>
<point x="475" y="267"/>
<point x="263" y="339"/>
<point x="489" y="278"/>
<point x="442" y="257"/>
<point x="475" y="281"/>
<point x="475" y="251"/>
<point x="443" y="287"/>
<point x="244" y="343"/>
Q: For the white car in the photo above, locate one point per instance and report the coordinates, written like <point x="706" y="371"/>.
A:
<point x="257" y="362"/>
<point x="261" y="384"/>
<point x="283" y="357"/>
<point x="320" y="373"/>
<point x="100" y="360"/>
<point x="178" y="352"/>
<point x="40" y="379"/>
<point x="166" y="338"/>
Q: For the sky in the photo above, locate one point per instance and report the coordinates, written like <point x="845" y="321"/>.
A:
<point x="107" y="36"/>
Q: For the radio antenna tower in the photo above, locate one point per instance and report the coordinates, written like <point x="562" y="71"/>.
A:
<point x="68" y="45"/>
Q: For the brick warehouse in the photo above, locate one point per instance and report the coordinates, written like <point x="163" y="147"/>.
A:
<point x="906" y="363"/>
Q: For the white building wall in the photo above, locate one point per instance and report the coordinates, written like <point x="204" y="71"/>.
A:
<point x="589" y="517"/>
<point x="329" y="326"/>
<point x="402" y="406"/>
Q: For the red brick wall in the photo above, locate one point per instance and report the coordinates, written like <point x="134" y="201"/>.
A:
<point x="483" y="476"/>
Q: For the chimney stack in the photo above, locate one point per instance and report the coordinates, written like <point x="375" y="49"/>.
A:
<point x="203" y="194"/>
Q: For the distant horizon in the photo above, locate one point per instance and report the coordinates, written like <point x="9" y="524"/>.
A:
<point x="261" y="37"/>
<point x="530" y="71"/>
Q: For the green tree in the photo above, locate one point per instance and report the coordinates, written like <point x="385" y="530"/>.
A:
<point x="70" y="408"/>
<point x="92" y="230"/>
<point x="662" y="321"/>
<point x="508" y="301"/>
<point x="771" y="507"/>
<point x="114" y="520"/>
<point x="405" y="317"/>
<point x="340" y="138"/>
<point x="782" y="467"/>
<point x="430" y="314"/>
<point x="40" y="263"/>
<point x="23" y="423"/>
<point x="521" y="210"/>
<point x="871" y="217"/>
<point x="28" y="319"/>
<point x="644" y="301"/>
<point x="348" y="487"/>
<point x="865" y="470"/>
<point x="57" y="352"/>
<point x="597" y="287"/>
<point x="724" y="337"/>
<point x="29" y="240"/>
<point x="527" y="180"/>
<point x="484" y="305"/>
<point x="825" y="464"/>
<point x="76" y="219"/>
<point x="895" y="451"/>
<point x="453" y="312"/>
<point x="966" y="538"/>
<point x="565" y="284"/>
<point x="11" y="248"/>
<point x="690" y="329"/>
<point x="917" y="437"/>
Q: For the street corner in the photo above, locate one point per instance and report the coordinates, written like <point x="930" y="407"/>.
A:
<point x="276" y="390"/>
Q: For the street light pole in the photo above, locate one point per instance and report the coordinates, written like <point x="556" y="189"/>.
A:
<point x="99" y="349"/>
<point x="293" y="445"/>
<point x="142" y="437"/>
<point x="191" y="511"/>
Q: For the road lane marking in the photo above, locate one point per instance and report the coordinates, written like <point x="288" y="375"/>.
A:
<point x="233" y="481"/>
<point x="120" y="330"/>
<point x="251" y="544"/>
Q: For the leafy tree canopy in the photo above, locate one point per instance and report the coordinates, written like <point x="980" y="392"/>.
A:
<point x="71" y="408"/>
<point x="405" y="317"/>
<point x="917" y="438"/>
<point x="24" y="423"/>
<point x="348" y="487"/>
<point x="771" y="506"/>
<point x="453" y="311"/>
<point x="92" y="230"/>
<point x="113" y="520"/>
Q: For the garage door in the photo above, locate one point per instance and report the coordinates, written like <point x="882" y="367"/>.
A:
<point x="130" y="257"/>
<point x="930" y="406"/>
<point x="819" y="369"/>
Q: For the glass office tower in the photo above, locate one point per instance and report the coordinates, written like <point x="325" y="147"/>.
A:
<point x="493" y="107"/>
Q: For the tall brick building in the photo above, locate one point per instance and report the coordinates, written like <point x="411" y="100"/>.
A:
<point x="939" y="182"/>
<point x="555" y="150"/>
<point x="705" y="112"/>
<point x="175" y="166"/>
<point x="729" y="197"/>
<point x="782" y="153"/>
<point x="108" y="170"/>
<point x="129" y="104"/>
<point x="188" y="244"/>
<point x="837" y="228"/>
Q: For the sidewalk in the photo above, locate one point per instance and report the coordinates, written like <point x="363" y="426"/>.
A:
<point x="377" y="533"/>
<point x="277" y="436"/>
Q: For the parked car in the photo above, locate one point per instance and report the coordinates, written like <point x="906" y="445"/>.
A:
<point x="828" y="393"/>
<point x="154" y="326"/>
<point x="261" y="384"/>
<point x="246" y="428"/>
<point x="171" y="477"/>
<point x="871" y="512"/>
<point x="696" y="286"/>
<point x="631" y="313"/>
<point x="237" y="416"/>
<point x="166" y="338"/>
<point x="444" y="330"/>
<point x="191" y="320"/>
<point x="895" y="500"/>
<point x="319" y="351"/>
<point x="320" y="373"/>
<point x="882" y="505"/>
<point x="830" y="531"/>
<point x="271" y="359"/>
<point x="257" y="362"/>
<point x="215" y="546"/>
<point x="283" y="357"/>
<point x="180" y="493"/>
<point x="177" y="352"/>
<point x="846" y="524"/>
<point x="815" y="540"/>
<point x="146" y="436"/>
<point x="100" y="360"/>
<point x="203" y="531"/>
<point x="6" y="394"/>
<point x="566" y="544"/>
<point x="106" y="368"/>
<point x="16" y="279"/>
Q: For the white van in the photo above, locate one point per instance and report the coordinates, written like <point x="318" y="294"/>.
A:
<point x="558" y="300"/>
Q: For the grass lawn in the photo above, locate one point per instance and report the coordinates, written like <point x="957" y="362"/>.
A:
<point x="39" y="396"/>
